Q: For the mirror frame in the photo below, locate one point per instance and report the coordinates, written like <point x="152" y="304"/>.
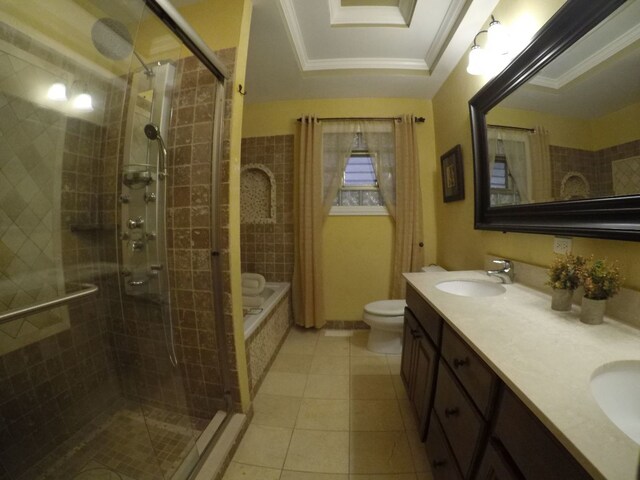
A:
<point x="610" y="217"/>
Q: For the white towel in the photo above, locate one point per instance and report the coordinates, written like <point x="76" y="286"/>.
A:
<point x="252" y="284"/>
<point x="433" y="268"/>
<point x="252" y="301"/>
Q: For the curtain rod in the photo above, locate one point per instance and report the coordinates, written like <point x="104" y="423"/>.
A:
<point x="336" y="119"/>
<point x="509" y="127"/>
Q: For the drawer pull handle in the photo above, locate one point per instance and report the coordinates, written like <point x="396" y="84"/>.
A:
<point x="439" y="463"/>
<point x="416" y="333"/>
<point x="457" y="362"/>
<point x="451" y="412"/>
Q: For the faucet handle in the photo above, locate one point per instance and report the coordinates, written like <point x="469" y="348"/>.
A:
<point x="506" y="264"/>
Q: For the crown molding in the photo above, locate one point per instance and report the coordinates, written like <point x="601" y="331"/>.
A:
<point x="365" y="16"/>
<point x="452" y="18"/>
<point x="589" y="63"/>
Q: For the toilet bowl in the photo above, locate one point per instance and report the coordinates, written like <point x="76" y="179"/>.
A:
<point x="386" y="318"/>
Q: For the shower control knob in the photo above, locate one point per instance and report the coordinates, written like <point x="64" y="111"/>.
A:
<point x="137" y="245"/>
<point x="135" y="223"/>
<point x="149" y="197"/>
<point x="124" y="198"/>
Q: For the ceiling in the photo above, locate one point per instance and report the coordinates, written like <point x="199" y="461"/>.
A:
<point x="301" y="49"/>
<point x="596" y="76"/>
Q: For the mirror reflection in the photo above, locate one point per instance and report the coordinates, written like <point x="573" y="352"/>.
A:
<point x="573" y="130"/>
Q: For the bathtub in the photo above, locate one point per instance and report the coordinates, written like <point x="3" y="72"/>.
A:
<point x="272" y="294"/>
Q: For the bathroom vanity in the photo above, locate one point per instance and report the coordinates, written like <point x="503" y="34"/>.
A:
<point x="501" y="384"/>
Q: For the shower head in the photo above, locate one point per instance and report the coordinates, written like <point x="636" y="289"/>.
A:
<point x="113" y="40"/>
<point x="152" y="132"/>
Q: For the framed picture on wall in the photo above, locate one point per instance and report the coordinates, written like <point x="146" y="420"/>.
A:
<point x="452" y="175"/>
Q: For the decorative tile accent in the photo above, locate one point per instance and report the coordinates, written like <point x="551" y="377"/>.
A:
<point x="263" y="345"/>
<point x="257" y="194"/>
<point x="626" y="176"/>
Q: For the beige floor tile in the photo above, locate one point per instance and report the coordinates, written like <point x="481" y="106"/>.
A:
<point x="388" y="476"/>
<point x="398" y="386"/>
<point x="275" y="410"/>
<point x="408" y="414"/>
<point x="287" y="384"/>
<point x="393" y="361"/>
<point x="291" y="363"/>
<point x="332" y="346"/>
<point x="318" y="451"/>
<point x="359" y="345"/>
<point x="291" y="475"/>
<point x="369" y="365"/>
<point x="239" y="471"/>
<point x="263" y="446"/>
<point x="372" y="387"/>
<point x="380" y="452"/>
<point x="330" y="365"/>
<point x="323" y="414"/>
<point x="300" y="341"/>
<point x="418" y="452"/>
<point x="327" y="386"/>
<point x="375" y="415"/>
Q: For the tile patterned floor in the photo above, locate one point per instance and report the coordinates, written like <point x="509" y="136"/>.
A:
<point x="329" y="409"/>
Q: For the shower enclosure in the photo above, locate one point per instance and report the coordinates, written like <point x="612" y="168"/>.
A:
<point x="113" y="351"/>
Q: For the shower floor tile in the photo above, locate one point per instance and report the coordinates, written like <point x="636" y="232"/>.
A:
<point x="131" y="445"/>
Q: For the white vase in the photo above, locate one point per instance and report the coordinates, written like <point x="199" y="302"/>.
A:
<point x="592" y="311"/>
<point x="561" y="299"/>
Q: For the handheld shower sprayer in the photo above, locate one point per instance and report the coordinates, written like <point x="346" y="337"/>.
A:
<point x="152" y="132"/>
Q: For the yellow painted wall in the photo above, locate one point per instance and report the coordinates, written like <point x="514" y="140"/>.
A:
<point x="459" y="245"/>
<point x="617" y="127"/>
<point x="357" y="250"/>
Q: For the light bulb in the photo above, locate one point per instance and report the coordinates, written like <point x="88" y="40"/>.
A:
<point x="57" y="92"/>
<point x="83" y="102"/>
<point x="498" y="39"/>
<point x="477" y="59"/>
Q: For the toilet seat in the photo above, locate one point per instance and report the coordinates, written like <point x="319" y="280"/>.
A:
<point x="386" y="308"/>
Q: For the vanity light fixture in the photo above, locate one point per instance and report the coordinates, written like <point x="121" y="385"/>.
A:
<point x="57" y="92"/>
<point x="82" y="101"/>
<point x="491" y="59"/>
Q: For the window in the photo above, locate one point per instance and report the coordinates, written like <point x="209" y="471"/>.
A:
<point x="500" y="174"/>
<point x="359" y="193"/>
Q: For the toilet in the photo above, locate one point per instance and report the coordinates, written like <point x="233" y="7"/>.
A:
<point x="386" y="320"/>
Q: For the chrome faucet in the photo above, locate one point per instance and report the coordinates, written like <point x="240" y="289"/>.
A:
<point x="505" y="274"/>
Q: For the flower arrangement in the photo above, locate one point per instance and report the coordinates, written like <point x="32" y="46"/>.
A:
<point x="566" y="272"/>
<point x="601" y="280"/>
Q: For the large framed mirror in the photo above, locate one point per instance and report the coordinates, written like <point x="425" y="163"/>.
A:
<point x="556" y="135"/>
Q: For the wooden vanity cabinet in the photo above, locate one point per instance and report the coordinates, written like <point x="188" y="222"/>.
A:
<point x="418" y="368"/>
<point x="529" y="445"/>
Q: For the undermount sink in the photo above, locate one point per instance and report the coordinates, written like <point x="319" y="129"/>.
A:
<point x="616" y="388"/>
<point x="471" y="288"/>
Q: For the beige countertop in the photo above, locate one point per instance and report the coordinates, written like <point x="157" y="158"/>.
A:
<point x="547" y="359"/>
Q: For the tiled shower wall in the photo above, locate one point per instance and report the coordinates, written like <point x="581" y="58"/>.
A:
<point x="595" y="166"/>
<point x="54" y="385"/>
<point x="267" y="249"/>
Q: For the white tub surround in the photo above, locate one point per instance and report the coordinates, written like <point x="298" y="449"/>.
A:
<point x="547" y="359"/>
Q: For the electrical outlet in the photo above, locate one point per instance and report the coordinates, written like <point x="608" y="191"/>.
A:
<point x="561" y="245"/>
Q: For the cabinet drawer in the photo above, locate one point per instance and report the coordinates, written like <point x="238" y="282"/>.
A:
<point x="442" y="461"/>
<point x="426" y="315"/>
<point x="475" y="376"/>
<point x="495" y="467"/>
<point x="534" y="450"/>
<point x="461" y="422"/>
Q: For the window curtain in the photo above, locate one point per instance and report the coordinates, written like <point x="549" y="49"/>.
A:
<point x="408" y="252"/>
<point x="516" y="152"/>
<point x="308" y="304"/>
<point x="338" y="139"/>
<point x="379" y="138"/>
<point x="540" y="165"/>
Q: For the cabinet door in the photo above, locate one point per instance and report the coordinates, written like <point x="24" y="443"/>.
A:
<point x="407" y="365"/>
<point x="423" y="390"/>
<point x="495" y="467"/>
<point x="441" y="459"/>
<point x="418" y="370"/>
